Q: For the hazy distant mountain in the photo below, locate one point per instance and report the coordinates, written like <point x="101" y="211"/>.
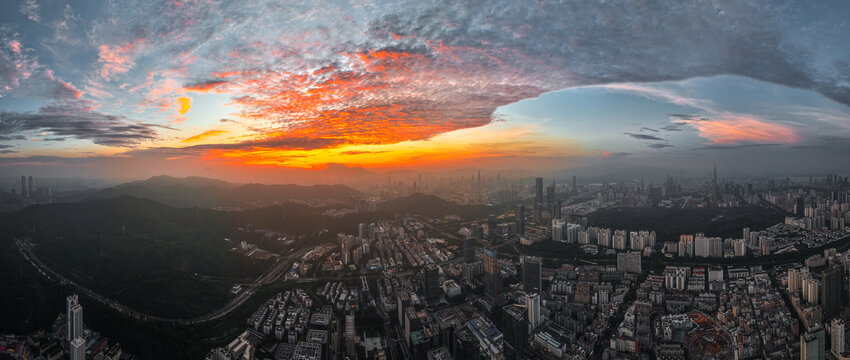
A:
<point x="206" y="193"/>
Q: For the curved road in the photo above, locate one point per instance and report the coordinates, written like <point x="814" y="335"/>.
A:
<point x="283" y="264"/>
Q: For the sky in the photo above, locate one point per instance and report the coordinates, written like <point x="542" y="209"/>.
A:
<point x="258" y="90"/>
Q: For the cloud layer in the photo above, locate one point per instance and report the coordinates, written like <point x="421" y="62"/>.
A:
<point x="333" y="73"/>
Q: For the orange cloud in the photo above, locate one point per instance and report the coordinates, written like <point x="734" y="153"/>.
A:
<point x="184" y="103"/>
<point x="204" y="135"/>
<point x="116" y="59"/>
<point x="205" y="86"/>
<point x="739" y="129"/>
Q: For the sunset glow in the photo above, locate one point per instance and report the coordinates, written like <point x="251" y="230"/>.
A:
<point x="391" y="85"/>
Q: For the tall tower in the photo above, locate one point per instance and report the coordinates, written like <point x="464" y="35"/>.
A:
<point x="532" y="302"/>
<point x="469" y="249"/>
<point x="531" y="274"/>
<point x="78" y="349"/>
<point x="29" y="190"/>
<point x="832" y="282"/>
<point x="521" y="219"/>
<point x="479" y="185"/>
<point x="74" y="315"/>
<point x="23" y="186"/>
<point x="538" y="190"/>
<point x="492" y="283"/>
<point x="432" y="284"/>
<point x="714" y="193"/>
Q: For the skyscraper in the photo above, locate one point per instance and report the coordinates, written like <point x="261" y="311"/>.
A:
<point x="832" y="282"/>
<point x="550" y="194"/>
<point x="836" y="332"/>
<point x="558" y="229"/>
<point x="532" y="303"/>
<point x="515" y="329"/>
<point x="628" y="262"/>
<point x="74" y="313"/>
<point x="29" y="188"/>
<point x="492" y="282"/>
<point x="432" y="284"/>
<point x="708" y="246"/>
<point x="813" y="345"/>
<point x="531" y="270"/>
<point x="469" y="249"/>
<point x="78" y="349"/>
<point x="538" y="190"/>
<point x="478" y="188"/>
<point x="556" y="209"/>
<point x="715" y="191"/>
<point x="23" y="186"/>
<point x="521" y="219"/>
<point x="492" y="226"/>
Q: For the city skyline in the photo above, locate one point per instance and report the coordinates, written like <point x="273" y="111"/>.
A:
<point x="260" y="92"/>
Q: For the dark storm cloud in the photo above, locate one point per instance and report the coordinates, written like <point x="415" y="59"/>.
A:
<point x="673" y="127"/>
<point x="644" y="137"/>
<point x="659" y="146"/>
<point x="16" y="137"/>
<point x="618" y="155"/>
<point x="631" y="41"/>
<point x="69" y="120"/>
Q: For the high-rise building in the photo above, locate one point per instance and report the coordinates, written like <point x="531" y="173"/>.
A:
<point x="29" y="188"/>
<point x="811" y="290"/>
<point x="550" y="194"/>
<point x="558" y="229"/>
<point x="655" y="195"/>
<point x="432" y="284"/>
<point x="740" y="247"/>
<point x="465" y="344"/>
<point x="492" y="226"/>
<point x="492" y="282"/>
<point x="469" y="249"/>
<point x="708" y="246"/>
<point x="478" y="187"/>
<point x="794" y="280"/>
<point x="813" y="345"/>
<point x="531" y="269"/>
<point x="521" y="219"/>
<point x="832" y="283"/>
<point x="628" y="262"/>
<point x="78" y="349"/>
<point x="532" y="303"/>
<point x="23" y="186"/>
<point x="556" y="209"/>
<point x="538" y="190"/>
<point x="836" y="332"/>
<point x="349" y="327"/>
<point x="74" y="314"/>
<point x="686" y="245"/>
<point x="515" y="329"/>
<point x="715" y="191"/>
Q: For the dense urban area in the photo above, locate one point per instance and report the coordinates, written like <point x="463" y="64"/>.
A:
<point x="500" y="269"/>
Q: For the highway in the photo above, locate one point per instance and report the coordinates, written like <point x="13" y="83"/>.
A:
<point x="272" y="274"/>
